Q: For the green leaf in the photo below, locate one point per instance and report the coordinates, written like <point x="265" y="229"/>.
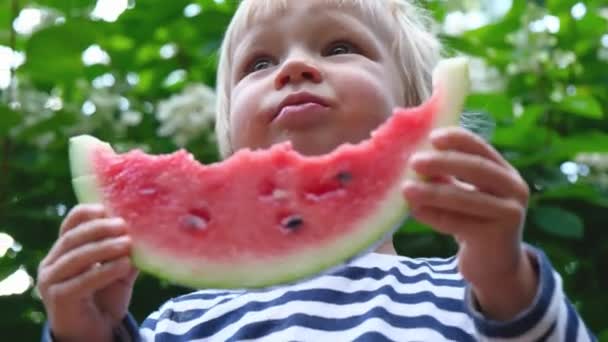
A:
<point x="8" y="119"/>
<point x="8" y="266"/>
<point x="412" y="226"/>
<point x="582" y="192"/>
<point x="603" y="336"/>
<point x="69" y="7"/>
<point x="583" y="105"/>
<point x="524" y="133"/>
<point x="55" y="53"/>
<point x="559" y="222"/>
<point x="493" y="35"/>
<point x="500" y="106"/>
<point x="583" y="142"/>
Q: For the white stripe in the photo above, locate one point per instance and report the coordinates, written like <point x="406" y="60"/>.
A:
<point x="371" y="325"/>
<point x="385" y="261"/>
<point x="545" y="322"/>
<point x="332" y="311"/>
<point x="321" y="309"/>
<point x="146" y="334"/>
<point x="560" y="328"/>
<point x="335" y="283"/>
<point x="582" y="335"/>
<point x="328" y="283"/>
<point x="197" y="304"/>
<point x="154" y="315"/>
<point x="408" y="271"/>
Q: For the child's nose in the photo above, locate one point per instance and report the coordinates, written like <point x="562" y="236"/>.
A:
<point x="297" y="70"/>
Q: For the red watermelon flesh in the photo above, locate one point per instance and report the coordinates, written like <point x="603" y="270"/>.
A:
<point x="260" y="217"/>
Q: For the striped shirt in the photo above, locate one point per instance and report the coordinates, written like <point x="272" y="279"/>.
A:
<point x="377" y="297"/>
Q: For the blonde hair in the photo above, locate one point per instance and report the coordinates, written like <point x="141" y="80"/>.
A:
<point x="415" y="48"/>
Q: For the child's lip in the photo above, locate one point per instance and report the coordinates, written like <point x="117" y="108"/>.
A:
<point x="301" y="116"/>
<point x="297" y="99"/>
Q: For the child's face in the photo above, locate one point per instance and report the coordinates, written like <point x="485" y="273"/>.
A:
<point x="333" y="67"/>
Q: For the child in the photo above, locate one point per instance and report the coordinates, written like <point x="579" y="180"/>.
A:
<point x="350" y="62"/>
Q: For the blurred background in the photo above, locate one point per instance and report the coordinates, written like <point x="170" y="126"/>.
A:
<point x="141" y="74"/>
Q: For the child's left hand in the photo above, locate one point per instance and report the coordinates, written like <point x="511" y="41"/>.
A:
<point x="475" y="195"/>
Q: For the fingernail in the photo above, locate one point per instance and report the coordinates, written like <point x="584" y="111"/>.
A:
<point x="408" y="184"/>
<point x="436" y="133"/>
<point x="410" y="187"/>
<point x="97" y="206"/>
<point x="420" y="157"/>
<point x="123" y="240"/>
<point x="117" y="221"/>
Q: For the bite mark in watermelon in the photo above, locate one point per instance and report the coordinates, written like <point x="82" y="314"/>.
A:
<point x="264" y="217"/>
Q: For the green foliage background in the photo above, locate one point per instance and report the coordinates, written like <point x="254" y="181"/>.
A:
<point x="551" y="107"/>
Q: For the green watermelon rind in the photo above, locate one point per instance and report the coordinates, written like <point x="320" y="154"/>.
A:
<point x="247" y="274"/>
<point x="87" y="189"/>
<point x="286" y="270"/>
<point x="390" y="213"/>
<point x="80" y="150"/>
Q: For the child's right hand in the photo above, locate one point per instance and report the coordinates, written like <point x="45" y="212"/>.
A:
<point x="87" y="278"/>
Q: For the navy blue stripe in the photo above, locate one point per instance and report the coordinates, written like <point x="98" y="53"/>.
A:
<point x="260" y="329"/>
<point x="548" y="333"/>
<point x="372" y="337"/>
<point x="130" y="324"/>
<point x="358" y="273"/>
<point x="527" y="322"/>
<point x="264" y="328"/>
<point x="571" y="322"/>
<point x="591" y="336"/>
<point x="209" y="327"/>
<point x="149" y="323"/>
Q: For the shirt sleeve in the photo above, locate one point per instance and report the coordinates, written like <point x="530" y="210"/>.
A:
<point x="127" y="332"/>
<point x="551" y="317"/>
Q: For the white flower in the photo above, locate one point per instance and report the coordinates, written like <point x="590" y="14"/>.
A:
<point x="456" y="23"/>
<point x="186" y="115"/>
<point x="130" y="117"/>
<point x="485" y="78"/>
<point x="595" y="160"/>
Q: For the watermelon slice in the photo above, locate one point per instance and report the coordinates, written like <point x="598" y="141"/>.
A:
<point x="264" y="217"/>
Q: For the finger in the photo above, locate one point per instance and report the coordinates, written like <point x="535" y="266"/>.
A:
<point x="81" y="213"/>
<point x="132" y="275"/>
<point x="446" y="221"/>
<point x="439" y="179"/>
<point x="87" y="232"/>
<point x="458" y="200"/>
<point x="484" y="174"/>
<point x="460" y="139"/>
<point x="84" y="257"/>
<point x="92" y="280"/>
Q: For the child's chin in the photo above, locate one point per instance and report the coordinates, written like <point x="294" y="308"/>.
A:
<point x="308" y="144"/>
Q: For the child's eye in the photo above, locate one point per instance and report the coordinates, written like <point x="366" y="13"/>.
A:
<point x="340" y="48"/>
<point x="260" y="64"/>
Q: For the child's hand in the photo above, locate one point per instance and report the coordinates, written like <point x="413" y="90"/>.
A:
<point x="86" y="279"/>
<point x="476" y="196"/>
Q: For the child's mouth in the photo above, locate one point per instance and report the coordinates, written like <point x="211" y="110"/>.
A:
<point x="300" y="109"/>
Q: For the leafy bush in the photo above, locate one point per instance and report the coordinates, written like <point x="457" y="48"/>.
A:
<point x="544" y="86"/>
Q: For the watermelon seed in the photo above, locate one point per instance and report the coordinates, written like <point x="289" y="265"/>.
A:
<point x="292" y="222"/>
<point x="147" y="191"/>
<point x="196" y="220"/>
<point x="279" y="194"/>
<point x="344" y="177"/>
